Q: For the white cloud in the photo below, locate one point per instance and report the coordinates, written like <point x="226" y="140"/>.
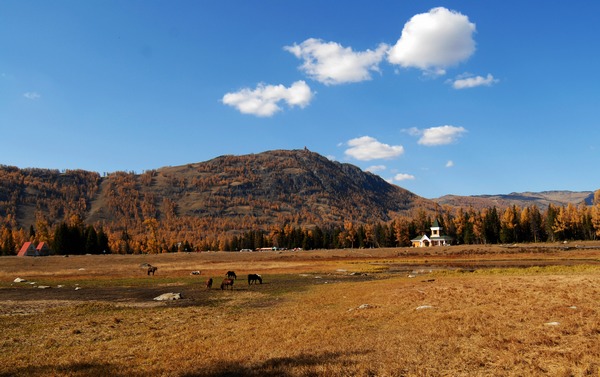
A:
<point x="375" y="168"/>
<point x="32" y="95"/>
<point x="264" y="100"/>
<point x="331" y="63"/>
<point x="403" y="177"/>
<point x="434" y="41"/>
<point x="366" y="148"/>
<point x="441" y="135"/>
<point x="413" y="131"/>
<point x="472" y="82"/>
<point x="449" y="164"/>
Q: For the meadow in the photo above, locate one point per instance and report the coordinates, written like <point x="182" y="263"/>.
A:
<point x="448" y="311"/>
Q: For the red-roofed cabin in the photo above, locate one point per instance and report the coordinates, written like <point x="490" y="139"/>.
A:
<point x="43" y="249"/>
<point x="27" y="250"/>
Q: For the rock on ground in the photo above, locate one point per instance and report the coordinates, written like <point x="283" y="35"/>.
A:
<point x="168" y="297"/>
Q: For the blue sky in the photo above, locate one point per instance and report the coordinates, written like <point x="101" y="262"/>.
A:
<point x="445" y="97"/>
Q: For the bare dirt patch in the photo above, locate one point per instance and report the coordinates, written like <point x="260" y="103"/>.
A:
<point x="120" y="279"/>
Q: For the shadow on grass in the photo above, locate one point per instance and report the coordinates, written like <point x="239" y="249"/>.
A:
<point x="308" y="364"/>
<point x="303" y="364"/>
<point x="72" y="370"/>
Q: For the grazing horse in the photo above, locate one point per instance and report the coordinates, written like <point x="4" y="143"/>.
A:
<point x="231" y="275"/>
<point x="253" y="278"/>
<point x="209" y="283"/>
<point x="152" y="270"/>
<point x="226" y="283"/>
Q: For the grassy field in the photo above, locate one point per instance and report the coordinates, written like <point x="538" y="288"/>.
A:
<point x="452" y="311"/>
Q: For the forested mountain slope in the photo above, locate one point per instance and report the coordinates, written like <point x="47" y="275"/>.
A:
<point x="273" y="187"/>
<point x="264" y="196"/>
<point x="228" y="193"/>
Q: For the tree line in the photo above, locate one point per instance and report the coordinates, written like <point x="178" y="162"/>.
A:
<point x="466" y="226"/>
<point x="136" y="217"/>
<point x="488" y="226"/>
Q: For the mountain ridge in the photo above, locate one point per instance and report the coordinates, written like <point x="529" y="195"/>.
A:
<point x="541" y="199"/>
<point x="233" y="193"/>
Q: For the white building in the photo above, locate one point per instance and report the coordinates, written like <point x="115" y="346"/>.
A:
<point x="436" y="238"/>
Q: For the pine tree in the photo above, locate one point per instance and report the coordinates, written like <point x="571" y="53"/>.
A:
<point x="61" y="235"/>
<point x="491" y="226"/>
<point x="103" y="244"/>
<point x="91" y="240"/>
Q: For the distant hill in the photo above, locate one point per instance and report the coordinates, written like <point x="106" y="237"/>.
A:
<point x="210" y="202"/>
<point x="270" y="187"/>
<point x="227" y="193"/>
<point x="524" y="199"/>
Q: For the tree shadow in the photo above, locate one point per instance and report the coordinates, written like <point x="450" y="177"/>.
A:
<point x="72" y="370"/>
<point x="278" y="366"/>
<point x="275" y="367"/>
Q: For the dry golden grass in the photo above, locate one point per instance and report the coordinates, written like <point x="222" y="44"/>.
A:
<point x="312" y="317"/>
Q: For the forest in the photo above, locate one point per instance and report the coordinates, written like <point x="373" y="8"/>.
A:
<point x="65" y="209"/>
<point x="489" y="226"/>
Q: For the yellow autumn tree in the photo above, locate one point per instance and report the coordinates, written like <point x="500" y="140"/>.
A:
<point x="596" y="213"/>
<point x="401" y="231"/>
<point x="152" y="244"/>
<point x="370" y="235"/>
<point x="350" y="232"/>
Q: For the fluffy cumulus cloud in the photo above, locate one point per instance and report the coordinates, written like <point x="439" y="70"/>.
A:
<point x="434" y="40"/>
<point x="331" y="63"/>
<point x="403" y="177"/>
<point x="441" y="135"/>
<point x="367" y="148"/>
<point x="265" y="99"/>
<point x="472" y="82"/>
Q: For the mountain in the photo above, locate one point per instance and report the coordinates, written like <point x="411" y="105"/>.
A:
<point x="210" y="202"/>
<point x="525" y="199"/>
<point x="270" y="187"/>
<point x="227" y="193"/>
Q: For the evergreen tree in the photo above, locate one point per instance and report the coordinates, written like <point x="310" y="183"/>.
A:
<point x="103" y="245"/>
<point x="538" y="233"/>
<point x="318" y="238"/>
<point x="91" y="240"/>
<point x="31" y="233"/>
<point x="61" y="235"/>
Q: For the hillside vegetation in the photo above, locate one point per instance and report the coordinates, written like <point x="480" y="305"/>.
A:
<point x="202" y="201"/>
<point x="278" y="198"/>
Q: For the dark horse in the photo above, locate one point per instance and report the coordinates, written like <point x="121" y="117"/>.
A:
<point x="209" y="283"/>
<point x="152" y="270"/>
<point x="253" y="278"/>
<point x="226" y="283"/>
<point x="231" y="275"/>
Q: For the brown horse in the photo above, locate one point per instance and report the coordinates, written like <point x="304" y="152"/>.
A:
<point x="209" y="283"/>
<point x="231" y="275"/>
<point x="253" y="278"/>
<point x="227" y="283"/>
<point x="152" y="270"/>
